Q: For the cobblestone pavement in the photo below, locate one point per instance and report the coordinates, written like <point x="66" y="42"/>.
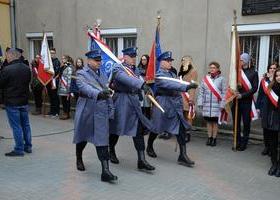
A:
<point x="49" y="172"/>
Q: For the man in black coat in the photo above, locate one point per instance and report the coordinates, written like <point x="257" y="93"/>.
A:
<point x="245" y="98"/>
<point x="15" y="79"/>
<point x="52" y="86"/>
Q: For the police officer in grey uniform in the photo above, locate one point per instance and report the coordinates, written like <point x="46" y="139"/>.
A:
<point x="93" y="111"/>
<point x="168" y="94"/>
<point x="128" y="119"/>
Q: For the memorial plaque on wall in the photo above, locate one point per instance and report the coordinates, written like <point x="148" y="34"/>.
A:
<point x="256" y="7"/>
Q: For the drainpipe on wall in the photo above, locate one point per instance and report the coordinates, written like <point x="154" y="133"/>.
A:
<point x="13" y="23"/>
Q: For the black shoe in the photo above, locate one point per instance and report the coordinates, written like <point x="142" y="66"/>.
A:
<point x="265" y="151"/>
<point x="113" y="157"/>
<point x="241" y="148"/>
<point x="277" y="173"/>
<point x="183" y="158"/>
<point x="28" y="150"/>
<point x="142" y="163"/>
<point x="80" y="164"/>
<point x="272" y="169"/>
<point x="214" y="142"/>
<point x="106" y="175"/>
<point x="14" y="154"/>
<point x="150" y="151"/>
<point x="209" y="141"/>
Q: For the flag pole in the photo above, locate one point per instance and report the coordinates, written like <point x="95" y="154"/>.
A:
<point x="45" y="88"/>
<point x="237" y="80"/>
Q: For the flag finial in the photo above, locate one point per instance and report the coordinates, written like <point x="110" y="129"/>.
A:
<point x="158" y="16"/>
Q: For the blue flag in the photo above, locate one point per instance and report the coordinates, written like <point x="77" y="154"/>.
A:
<point x="108" y="58"/>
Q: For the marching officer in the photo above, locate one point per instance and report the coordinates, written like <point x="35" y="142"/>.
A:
<point x="128" y="119"/>
<point x="93" y="111"/>
<point x="168" y="94"/>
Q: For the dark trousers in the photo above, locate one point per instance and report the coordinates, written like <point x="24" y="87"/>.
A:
<point x="180" y="137"/>
<point x="65" y="104"/>
<point x="37" y="92"/>
<point x="53" y="99"/>
<point x="138" y="140"/>
<point x="266" y="137"/>
<point x="244" y="110"/>
<point x="273" y="145"/>
<point x="147" y="113"/>
<point x="1" y="96"/>
<point x="102" y="151"/>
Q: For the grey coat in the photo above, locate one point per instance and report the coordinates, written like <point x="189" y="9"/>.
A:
<point x="168" y="95"/>
<point x="91" y="121"/>
<point x="64" y="90"/>
<point x="211" y="106"/>
<point x="126" y="102"/>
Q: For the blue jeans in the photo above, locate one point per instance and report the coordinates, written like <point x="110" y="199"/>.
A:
<point x="19" y="122"/>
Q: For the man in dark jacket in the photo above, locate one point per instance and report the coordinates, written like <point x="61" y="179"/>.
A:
<point x="52" y="86"/>
<point x="15" y="79"/>
<point x="245" y="97"/>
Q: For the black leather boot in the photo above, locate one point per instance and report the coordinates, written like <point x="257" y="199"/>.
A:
<point x="79" y="156"/>
<point x="265" y="151"/>
<point x="106" y="175"/>
<point x="150" y="151"/>
<point x="183" y="157"/>
<point x="277" y="173"/>
<point x="214" y="142"/>
<point x="209" y="141"/>
<point x="142" y="163"/>
<point x="80" y="164"/>
<point x="272" y="169"/>
<point x="113" y="157"/>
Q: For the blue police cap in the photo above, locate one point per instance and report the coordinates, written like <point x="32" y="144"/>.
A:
<point x="165" y="56"/>
<point x="94" y="54"/>
<point x="131" y="51"/>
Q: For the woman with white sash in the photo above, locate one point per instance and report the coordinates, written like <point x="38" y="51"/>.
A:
<point x="271" y="120"/>
<point x="262" y="101"/>
<point x="211" y="100"/>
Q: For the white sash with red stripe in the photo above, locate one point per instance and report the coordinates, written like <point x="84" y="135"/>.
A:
<point x="212" y="87"/>
<point x="247" y="86"/>
<point x="64" y="82"/>
<point x="270" y="93"/>
<point x="223" y="117"/>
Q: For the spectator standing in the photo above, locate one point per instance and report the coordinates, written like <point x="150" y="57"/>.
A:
<point x="15" y="79"/>
<point x="211" y="100"/>
<point x="65" y="74"/>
